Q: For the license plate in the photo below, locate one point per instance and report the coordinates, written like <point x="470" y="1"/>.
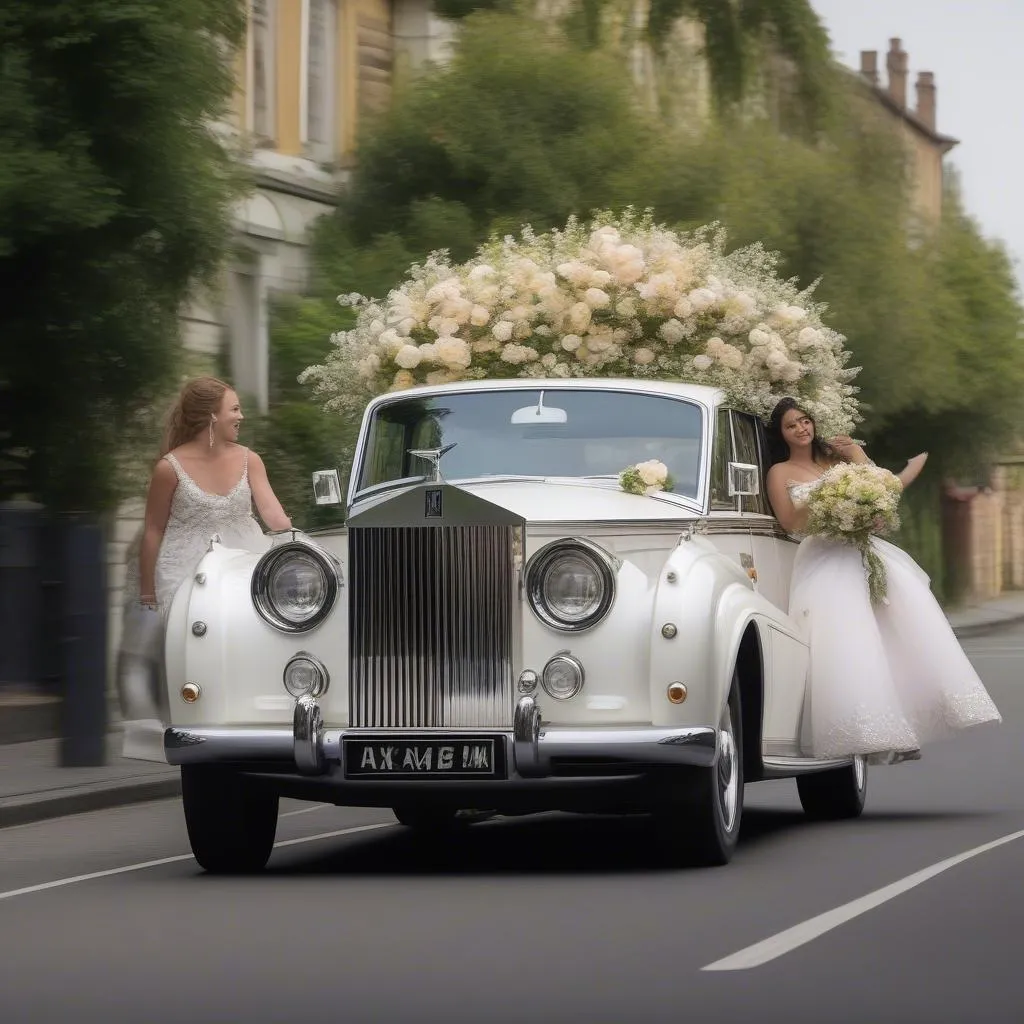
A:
<point x="474" y="757"/>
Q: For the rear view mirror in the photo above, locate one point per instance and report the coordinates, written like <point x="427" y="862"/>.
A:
<point x="535" y="414"/>
<point x="326" y="487"/>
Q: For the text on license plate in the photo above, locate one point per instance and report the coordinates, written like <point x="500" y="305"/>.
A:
<point x="462" y="758"/>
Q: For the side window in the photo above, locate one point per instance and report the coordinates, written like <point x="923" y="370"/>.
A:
<point x="736" y="440"/>
<point x="747" y="449"/>
<point x="720" y="459"/>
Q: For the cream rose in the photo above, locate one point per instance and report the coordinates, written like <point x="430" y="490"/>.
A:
<point x="408" y="357"/>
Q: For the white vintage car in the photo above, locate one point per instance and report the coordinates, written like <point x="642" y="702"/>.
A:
<point x="500" y="628"/>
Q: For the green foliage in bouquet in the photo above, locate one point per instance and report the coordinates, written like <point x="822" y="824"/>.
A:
<point x="853" y="503"/>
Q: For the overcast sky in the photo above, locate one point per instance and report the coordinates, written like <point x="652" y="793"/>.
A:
<point x="976" y="50"/>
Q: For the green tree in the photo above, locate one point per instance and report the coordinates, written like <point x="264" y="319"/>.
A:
<point x="115" y="197"/>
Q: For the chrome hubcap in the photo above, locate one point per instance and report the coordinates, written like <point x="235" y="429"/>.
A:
<point x="860" y="771"/>
<point x="728" y="774"/>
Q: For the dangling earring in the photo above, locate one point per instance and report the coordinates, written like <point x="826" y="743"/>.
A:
<point x="213" y="419"/>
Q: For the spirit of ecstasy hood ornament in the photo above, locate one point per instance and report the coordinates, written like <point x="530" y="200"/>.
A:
<point x="433" y="456"/>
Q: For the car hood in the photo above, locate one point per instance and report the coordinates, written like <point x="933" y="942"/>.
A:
<point x="576" y="501"/>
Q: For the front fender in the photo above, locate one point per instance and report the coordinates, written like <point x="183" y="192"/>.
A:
<point x="216" y="638"/>
<point x="710" y="602"/>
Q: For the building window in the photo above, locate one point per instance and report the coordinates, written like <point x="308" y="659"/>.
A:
<point x="261" y="72"/>
<point x="320" y="79"/>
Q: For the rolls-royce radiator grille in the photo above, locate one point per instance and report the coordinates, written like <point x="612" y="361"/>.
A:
<point x="431" y="626"/>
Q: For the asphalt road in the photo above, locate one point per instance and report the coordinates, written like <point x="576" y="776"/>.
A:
<point x="550" y="919"/>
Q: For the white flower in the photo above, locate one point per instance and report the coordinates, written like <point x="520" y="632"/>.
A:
<point x="389" y="341"/>
<point x="454" y="352"/>
<point x="808" y="338"/>
<point x="482" y="272"/>
<point x="502" y="330"/>
<point x="701" y="299"/>
<point x="479" y="316"/>
<point x="672" y="331"/>
<point x="683" y="308"/>
<point x="702" y="362"/>
<point x="595" y="298"/>
<point x="579" y="316"/>
<point x="369" y="366"/>
<point x="571" y="342"/>
<point x="652" y="472"/>
<point x="626" y="308"/>
<point x="516" y="354"/>
<point x="548" y="360"/>
<point x="408" y="357"/>
<point x="643" y="357"/>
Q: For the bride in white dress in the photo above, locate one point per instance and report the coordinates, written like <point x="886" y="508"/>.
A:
<point x="205" y="483"/>
<point x="884" y="680"/>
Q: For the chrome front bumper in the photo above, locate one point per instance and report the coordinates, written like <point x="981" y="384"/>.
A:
<point x="535" y="748"/>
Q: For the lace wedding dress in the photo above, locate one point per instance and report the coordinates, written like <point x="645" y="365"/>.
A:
<point x="883" y="680"/>
<point x="195" y="517"/>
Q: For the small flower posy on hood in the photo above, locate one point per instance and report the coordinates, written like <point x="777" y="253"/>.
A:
<point x="617" y="297"/>
<point x="646" y="478"/>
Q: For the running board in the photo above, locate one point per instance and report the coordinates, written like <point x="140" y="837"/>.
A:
<point x="787" y="767"/>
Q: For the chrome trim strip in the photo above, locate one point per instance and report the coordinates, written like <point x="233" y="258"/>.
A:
<point x="786" y="767"/>
<point x="534" y="746"/>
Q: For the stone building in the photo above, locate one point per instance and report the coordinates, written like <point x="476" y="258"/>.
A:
<point x="917" y="125"/>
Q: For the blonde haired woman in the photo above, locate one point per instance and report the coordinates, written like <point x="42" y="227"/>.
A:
<point x="204" y="483"/>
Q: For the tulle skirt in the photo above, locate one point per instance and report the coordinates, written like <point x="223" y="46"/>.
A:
<point x="883" y="679"/>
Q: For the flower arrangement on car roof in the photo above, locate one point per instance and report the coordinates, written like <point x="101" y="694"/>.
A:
<point x="620" y="296"/>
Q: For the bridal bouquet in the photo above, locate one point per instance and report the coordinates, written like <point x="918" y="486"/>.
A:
<point x="853" y="503"/>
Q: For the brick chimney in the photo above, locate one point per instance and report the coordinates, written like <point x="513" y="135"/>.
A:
<point x="896" y="65"/>
<point x="869" y="65"/>
<point x="926" y="98"/>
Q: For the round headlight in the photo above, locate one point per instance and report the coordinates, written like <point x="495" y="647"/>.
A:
<point x="304" y="675"/>
<point x="563" y="676"/>
<point x="571" y="585"/>
<point x="294" y="587"/>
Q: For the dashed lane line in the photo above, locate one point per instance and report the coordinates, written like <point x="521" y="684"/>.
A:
<point x="74" y="879"/>
<point x="792" y="938"/>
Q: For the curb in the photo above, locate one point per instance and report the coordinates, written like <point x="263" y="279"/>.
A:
<point x="22" y="810"/>
<point x="985" y="628"/>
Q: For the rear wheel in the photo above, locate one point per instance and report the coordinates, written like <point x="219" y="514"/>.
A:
<point x="231" y="825"/>
<point x="835" y="794"/>
<point x="700" y="824"/>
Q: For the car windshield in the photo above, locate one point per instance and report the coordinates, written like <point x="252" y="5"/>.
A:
<point x="559" y="433"/>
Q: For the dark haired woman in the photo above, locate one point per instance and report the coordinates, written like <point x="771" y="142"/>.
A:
<point x="884" y="679"/>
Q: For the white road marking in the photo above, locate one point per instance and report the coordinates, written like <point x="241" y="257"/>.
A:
<point x="790" y="939"/>
<point x="305" y="810"/>
<point x="58" y="882"/>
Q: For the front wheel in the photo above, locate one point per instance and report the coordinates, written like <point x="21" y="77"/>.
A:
<point x="701" y="823"/>
<point x="835" y="794"/>
<point x="231" y="826"/>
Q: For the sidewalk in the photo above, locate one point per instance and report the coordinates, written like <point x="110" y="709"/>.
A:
<point x="33" y="786"/>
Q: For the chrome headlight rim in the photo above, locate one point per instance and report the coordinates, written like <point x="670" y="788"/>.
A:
<point x="605" y="565"/>
<point x="323" y="683"/>
<point x="574" y="663"/>
<point x="260" y="587"/>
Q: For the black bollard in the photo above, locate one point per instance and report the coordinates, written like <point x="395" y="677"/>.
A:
<point x="21" y="605"/>
<point x="84" y="636"/>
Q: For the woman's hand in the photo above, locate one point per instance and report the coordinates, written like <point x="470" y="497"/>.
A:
<point x="847" y="449"/>
<point x="913" y="469"/>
